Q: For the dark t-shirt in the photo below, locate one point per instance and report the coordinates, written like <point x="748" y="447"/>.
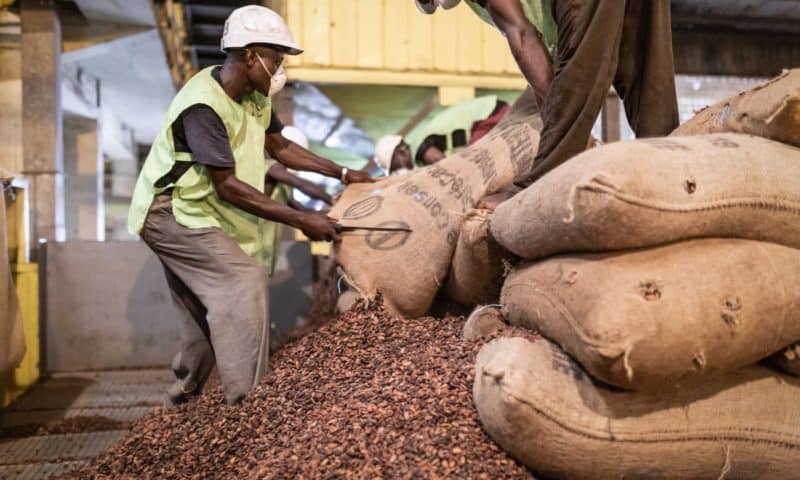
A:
<point x="199" y="130"/>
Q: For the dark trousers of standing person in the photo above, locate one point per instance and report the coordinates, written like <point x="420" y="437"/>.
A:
<point x="627" y="43"/>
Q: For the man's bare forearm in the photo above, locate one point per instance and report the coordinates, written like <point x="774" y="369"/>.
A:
<point x="527" y="47"/>
<point x="534" y="62"/>
<point x="279" y="173"/>
<point x="298" y="158"/>
<point x="244" y="196"/>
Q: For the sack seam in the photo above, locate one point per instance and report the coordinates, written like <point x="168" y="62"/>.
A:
<point x="565" y="313"/>
<point x="593" y="433"/>
<point x="786" y="205"/>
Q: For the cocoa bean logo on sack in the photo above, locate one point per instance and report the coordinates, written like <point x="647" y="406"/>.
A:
<point x="363" y="208"/>
<point x="387" y="240"/>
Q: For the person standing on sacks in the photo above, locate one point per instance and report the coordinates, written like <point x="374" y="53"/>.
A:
<point x="572" y="52"/>
<point x="199" y="204"/>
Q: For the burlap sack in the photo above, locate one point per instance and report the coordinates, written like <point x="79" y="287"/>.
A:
<point x="409" y="268"/>
<point x="787" y="360"/>
<point x="770" y="110"/>
<point x="656" y="319"/>
<point x="479" y="264"/>
<point x="12" y="336"/>
<point x="483" y="322"/>
<point x="543" y="409"/>
<point x="649" y="192"/>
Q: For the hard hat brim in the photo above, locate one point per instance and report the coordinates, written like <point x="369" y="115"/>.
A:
<point x="291" y="48"/>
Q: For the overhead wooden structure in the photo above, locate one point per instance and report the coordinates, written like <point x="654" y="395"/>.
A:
<point x="736" y="37"/>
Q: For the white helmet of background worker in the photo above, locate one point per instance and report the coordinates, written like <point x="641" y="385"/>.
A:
<point x="391" y="158"/>
<point x="384" y="149"/>
<point x="430" y="6"/>
<point x="256" y="24"/>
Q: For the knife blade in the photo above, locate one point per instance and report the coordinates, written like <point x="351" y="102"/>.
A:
<point x="353" y="228"/>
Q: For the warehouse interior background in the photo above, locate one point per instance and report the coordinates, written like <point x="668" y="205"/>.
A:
<point x="85" y="84"/>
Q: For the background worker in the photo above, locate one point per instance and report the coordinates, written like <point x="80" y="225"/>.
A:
<point x="455" y="127"/>
<point x="199" y="203"/>
<point x="594" y="44"/>
<point x="448" y="131"/>
<point x="393" y="155"/>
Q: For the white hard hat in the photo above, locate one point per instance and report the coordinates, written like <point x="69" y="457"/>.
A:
<point x="384" y="149"/>
<point x="257" y="24"/>
<point x="430" y="6"/>
<point x="296" y="135"/>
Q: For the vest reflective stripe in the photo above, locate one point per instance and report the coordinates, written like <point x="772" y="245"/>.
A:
<point x="195" y="203"/>
<point x="538" y="12"/>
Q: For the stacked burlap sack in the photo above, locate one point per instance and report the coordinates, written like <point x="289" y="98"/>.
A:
<point x="667" y="269"/>
<point x="410" y="267"/>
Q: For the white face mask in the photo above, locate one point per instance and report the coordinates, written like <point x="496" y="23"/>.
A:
<point x="277" y="80"/>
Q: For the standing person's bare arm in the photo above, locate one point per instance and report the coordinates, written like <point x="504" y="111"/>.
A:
<point x="526" y="45"/>
<point x="294" y="156"/>
<point x="281" y="174"/>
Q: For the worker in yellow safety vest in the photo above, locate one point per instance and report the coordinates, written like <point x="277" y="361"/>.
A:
<point x="199" y="203"/>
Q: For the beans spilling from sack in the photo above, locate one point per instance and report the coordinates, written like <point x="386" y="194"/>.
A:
<point x="661" y="272"/>
<point x="366" y="396"/>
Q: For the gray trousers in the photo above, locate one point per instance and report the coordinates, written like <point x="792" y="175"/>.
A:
<point x="223" y="295"/>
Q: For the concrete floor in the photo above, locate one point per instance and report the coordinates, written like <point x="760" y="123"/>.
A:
<point x="124" y="396"/>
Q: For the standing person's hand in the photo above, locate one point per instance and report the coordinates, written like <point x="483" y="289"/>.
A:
<point x="319" y="227"/>
<point x="357" y="176"/>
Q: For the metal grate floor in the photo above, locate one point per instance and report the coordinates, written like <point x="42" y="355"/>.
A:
<point x="29" y="417"/>
<point x="124" y="396"/>
<point x="37" y="471"/>
<point x="52" y="448"/>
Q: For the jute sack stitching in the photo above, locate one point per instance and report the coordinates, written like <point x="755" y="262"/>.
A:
<point x="665" y="317"/>
<point x="541" y="407"/>
<point x="479" y="264"/>
<point x="410" y="267"/>
<point x="770" y="110"/>
<point x="650" y="192"/>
